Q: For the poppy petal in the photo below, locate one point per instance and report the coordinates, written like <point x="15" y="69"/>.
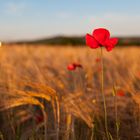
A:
<point x="101" y="35"/>
<point x="109" y="46"/>
<point x="77" y="65"/>
<point x="91" y="41"/>
<point x="113" y="41"/>
<point x="110" y="43"/>
<point x="71" y="67"/>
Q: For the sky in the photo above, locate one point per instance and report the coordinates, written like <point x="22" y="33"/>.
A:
<point x="35" y="19"/>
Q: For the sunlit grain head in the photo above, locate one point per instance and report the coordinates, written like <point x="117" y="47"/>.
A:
<point x="0" y="44"/>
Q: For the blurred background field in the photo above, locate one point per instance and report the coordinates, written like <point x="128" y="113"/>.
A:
<point x="32" y="75"/>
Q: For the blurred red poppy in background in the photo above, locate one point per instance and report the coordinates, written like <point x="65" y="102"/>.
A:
<point x="97" y="60"/>
<point x="99" y="38"/>
<point x="120" y="93"/>
<point x="73" y="66"/>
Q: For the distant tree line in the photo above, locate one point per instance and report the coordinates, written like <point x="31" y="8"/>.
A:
<point x="75" y="41"/>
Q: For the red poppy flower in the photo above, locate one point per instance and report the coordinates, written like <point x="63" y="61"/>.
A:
<point x="101" y="37"/>
<point x="73" y="66"/>
<point x="120" y="93"/>
<point x="97" y="60"/>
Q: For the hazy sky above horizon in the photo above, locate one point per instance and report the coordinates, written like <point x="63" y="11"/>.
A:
<point x="31" y="19"/>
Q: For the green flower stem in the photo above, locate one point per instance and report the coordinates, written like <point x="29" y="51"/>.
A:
<point x="102" y="91"/>
<point x="116" y="114"/>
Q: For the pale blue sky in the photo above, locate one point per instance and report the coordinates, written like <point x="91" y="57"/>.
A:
<point x="31" y="19"/>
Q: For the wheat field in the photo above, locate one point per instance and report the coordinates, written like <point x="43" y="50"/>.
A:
<point x="40" y="99"/>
